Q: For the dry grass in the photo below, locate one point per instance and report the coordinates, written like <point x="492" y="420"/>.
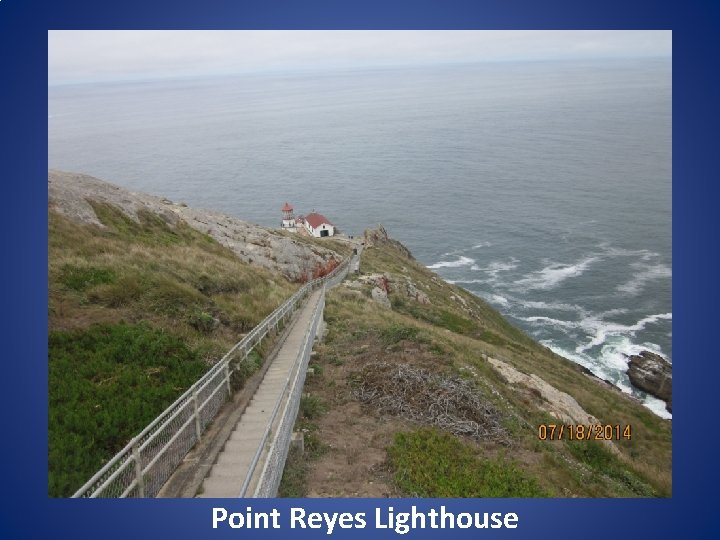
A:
<point x="114" y="294"/>
<point x="450" y="338"/>
<point x="170" y="276"/>
<point x="449" y="403"/>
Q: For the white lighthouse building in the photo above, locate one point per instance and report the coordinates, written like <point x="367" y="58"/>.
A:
<point x="288" y="220"/>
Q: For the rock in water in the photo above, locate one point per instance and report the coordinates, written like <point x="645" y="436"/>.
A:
<point x="651" y="373"/>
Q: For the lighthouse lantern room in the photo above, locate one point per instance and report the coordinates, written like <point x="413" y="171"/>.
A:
<point x="288" y="220"/>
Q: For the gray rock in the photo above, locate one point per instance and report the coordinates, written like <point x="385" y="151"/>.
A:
<point x="380" y="236"/>
<point x="652" y="373"/>
<point x="414" y="293"/>
<point x="69" y="193"/>
<point x="381" y="297"/>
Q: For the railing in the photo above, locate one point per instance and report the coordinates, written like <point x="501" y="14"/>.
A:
<point x="147" y="461"/>
<point x="274" y="462"/>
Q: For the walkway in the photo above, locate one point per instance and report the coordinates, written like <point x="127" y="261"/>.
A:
<point x="227" y="475"/>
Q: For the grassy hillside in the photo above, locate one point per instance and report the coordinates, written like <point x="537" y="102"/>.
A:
<point x="397" y="386"/>
<point x="401" y="401"/>
<point x="138" y="310"/>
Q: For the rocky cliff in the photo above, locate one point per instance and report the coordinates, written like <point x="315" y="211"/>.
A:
<point x="72" y="194"/>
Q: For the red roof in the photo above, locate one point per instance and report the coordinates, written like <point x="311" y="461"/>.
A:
<point x="316" y="220"/>
<point x="287" y="208"/>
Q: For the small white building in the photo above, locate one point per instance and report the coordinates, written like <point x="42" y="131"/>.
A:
<point x="288" y="220"/>
<point x="318" y="225"/>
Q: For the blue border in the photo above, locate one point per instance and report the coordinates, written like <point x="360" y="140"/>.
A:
<point x="28" y="513"/>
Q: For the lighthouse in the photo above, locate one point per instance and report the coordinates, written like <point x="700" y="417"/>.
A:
<point x="288" y="220"/>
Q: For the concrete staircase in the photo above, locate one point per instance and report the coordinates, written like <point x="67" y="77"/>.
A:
<point x="227" y="475"/>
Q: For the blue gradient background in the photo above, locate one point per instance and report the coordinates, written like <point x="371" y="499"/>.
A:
<point x="27" y="512"/>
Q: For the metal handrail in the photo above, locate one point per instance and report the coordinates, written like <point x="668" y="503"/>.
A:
<point x="140" y="442"/>
<point x="287" y="413"/>
<point x="273" y="415"/>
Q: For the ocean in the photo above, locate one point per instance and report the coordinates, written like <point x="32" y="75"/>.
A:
<point x="542" y="187"/>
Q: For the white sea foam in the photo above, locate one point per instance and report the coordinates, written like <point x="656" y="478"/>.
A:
<point x="611" y="312"/>
<point x="463" y="250"/>
<point x="611" y="365"/>
<point x="657" y="406"/>
<point x="603" y="329"/>
<point x="462" y="261"/>
<point x="550" y="306"/>
<point x="496" y="267"/>
<point x="578" y="359"/>
<point x="646" y="274"/>
<point x="467" y="281"/>
<point x="554" y="274"/>
<point x="542" y="320"/>
<point x="454" y="252"/>
<point x="482" y="245"/>
<point x="497" y="299"/>
<point x="644" y="254"/>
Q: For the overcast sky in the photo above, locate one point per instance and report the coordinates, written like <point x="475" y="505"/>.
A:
<point x="101" y="55"/>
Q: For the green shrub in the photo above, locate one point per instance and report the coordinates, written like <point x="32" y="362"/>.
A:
<point x="431" y="463"/>
<point x="438" y="317"/>
<point x="311" y="407"/>
<point x="317" y="369"/>
<point x="80" y="278"/>
<point x="246" y="369"/>
<point x="602" y="461"/>
<point x="396" y="333"/>
<point x="294" y="475"/>
<point x="106" y="383"/>
<point x="202" y="321"/>
<point x="220" y="283"/>
<point x="491" y="337"/>
<point x="121" y="293"/>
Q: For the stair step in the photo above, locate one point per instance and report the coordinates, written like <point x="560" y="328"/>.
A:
<point x="236" y="459"/>
<point x="230" y="471"/>
<point x="220" y="487"/>
<point x="250" y="438"/>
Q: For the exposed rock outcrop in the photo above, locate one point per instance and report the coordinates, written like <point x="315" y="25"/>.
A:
<point x="652" y="373"/>
<point x="388" y="282"/>
<point x="381" y="297"/>
<point x="562" y="406"/>
<point x="380" y="236"/>
<point x="69" y="193"/>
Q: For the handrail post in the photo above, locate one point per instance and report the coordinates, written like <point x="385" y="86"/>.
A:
<point x="227" y="379"/>
<point x="198" y="431"/>
<point x="138" y="467"/>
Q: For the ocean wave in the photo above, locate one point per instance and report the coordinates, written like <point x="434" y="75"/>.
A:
<point x="603" y="329"/>
<point x="453" y="252"/>
<point x="463" y="250"/>
<point x="612" y="312"/>
<point x="549" y="306"/>
<point x="554" y="274"/>
<point x="462" y="261"/>
<point x="543" y="320"/>
<point x="495" y="267"/>
<point x="646" y="274"/>
<point x="611" y="365"/>
<point x="644" y="254"/>
<point x="496" y="299"/>
<point x="462" y="282"/>
<point x="482" y="245"/>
